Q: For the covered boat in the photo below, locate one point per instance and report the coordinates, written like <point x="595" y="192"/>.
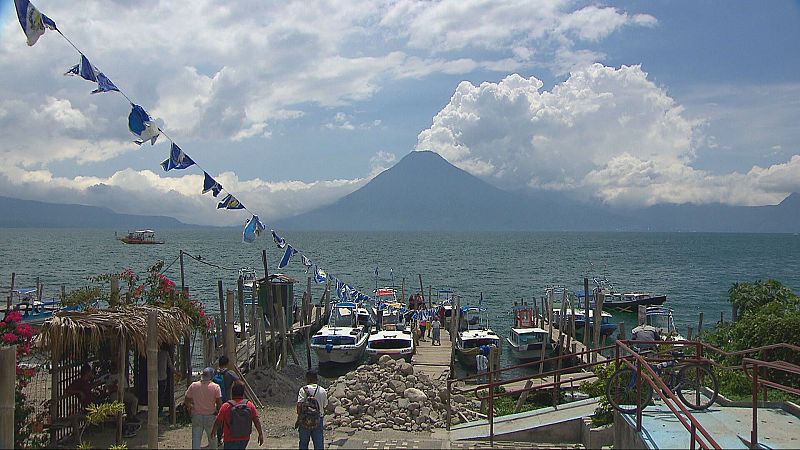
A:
<point x="140" y="237"/>
<point x="34" y="309"/>
<point x="392" y="337"/>
<point x="527" y="341"/>
<point x="474" y="333"/>
<point x="606" y="326"/>
<point x="341" y="340"/>
<point x="618" y="300"/>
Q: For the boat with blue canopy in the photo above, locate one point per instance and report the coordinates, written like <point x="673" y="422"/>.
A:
<point x="342" y="340"/>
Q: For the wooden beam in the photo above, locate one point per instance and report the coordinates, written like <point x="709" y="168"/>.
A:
<point x="152" y="380"/>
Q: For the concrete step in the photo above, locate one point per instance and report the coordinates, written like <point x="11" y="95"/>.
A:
<point x="510" y="445"/>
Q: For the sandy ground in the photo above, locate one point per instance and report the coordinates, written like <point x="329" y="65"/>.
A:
<point x="278" y="433"/>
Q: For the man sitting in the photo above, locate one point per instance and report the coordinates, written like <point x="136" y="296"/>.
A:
<point x="81" y="388"/>
<point x="129" y="399"/>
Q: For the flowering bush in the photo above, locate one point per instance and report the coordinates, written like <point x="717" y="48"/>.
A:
<point x="14" y="332"/>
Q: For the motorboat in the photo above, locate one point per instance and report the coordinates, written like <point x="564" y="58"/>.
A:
<point x="620" y="300"/>
<point x="445" y="298"/>
<point x="530" y="344"/>
<point x="365" y="315"/>
<point x="662" y="320"/>
<point x="474" y="333"/>
<point x="342" y="340"/>
<point x="139" y="237"/>
<point x="392" y="337"/>
<point x="34" y="309"/>
<point x="527" y="341"/>
<point x="606" y="326"/>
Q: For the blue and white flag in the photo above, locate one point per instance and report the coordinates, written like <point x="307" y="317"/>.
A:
<point x="339" y="288"/>
<point x="177" y="159"/>
<point x="230" y="202"/>
<point x="307" y="262"/>
<point x="33" y="22"/>
<point x="210" y="184"/>
<point x="319" y="275"/>
<point x="279" y="241"/>
<point x="140" y="124"/>
<point x="287" y="255"/>
<point x="83" y="69"/>
<point x="104" y="84"/>
<point x="252" y="229"/>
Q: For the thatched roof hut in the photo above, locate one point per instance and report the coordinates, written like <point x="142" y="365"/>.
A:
<point x="82" y="329"/>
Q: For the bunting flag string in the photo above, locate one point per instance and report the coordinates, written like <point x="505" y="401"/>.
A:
<point x="142" y="125"/>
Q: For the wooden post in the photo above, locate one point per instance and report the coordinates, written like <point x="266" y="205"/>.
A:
<point x="621" y="331"/>
<point x="282" y="324"/>
<point x="63" y="292"/>
<point x="307" y="315"/>
<point x="270" y="311"/>
<point x="221" y="308"/>
<point x="55" y="374"/>
<point x="700" y="326"/>
<point x="152" y="380"/>
<point x="455" y="319"/>
<point x="113" y="299"/>
<point x="240" y="298"/>
<point x="557" y="377"/>
<point x="183" y="279"/>
<point x="403" y="291"/>
<point x="421" y="289"/>
<point x="122" y="372"/>
<point x="598" y="321"/>
<point x="8" y="373"/>
<point x="430" y="297"/>
<point x="721" y="317"/>
<point x="689" y="333"/>
<point x="11" y="295"/>
<point x="734" y="313"/>
<point x="586" y="340"/>
<point x="641" y="315"/>
<point x="230" y="335"/>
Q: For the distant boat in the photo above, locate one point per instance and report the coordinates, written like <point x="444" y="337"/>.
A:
<point x="621" y="301"/>
<point x="139" y="237"/>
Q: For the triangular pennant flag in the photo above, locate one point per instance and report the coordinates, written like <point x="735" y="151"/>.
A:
<point x="286" y="256"/>
<point x="319" y="275"/>
<point x="140" y="124"/>
<point x="83" y="69"/>
<point x="230" y="202"/>
<point x="177" y="159"/>
<point x="307" y="262"/>
<point x="104" y="84"/>
<point x="252" y="229"/>
<point x="33" y="22"/>
<point x="210" y="184"/>
<point x="279" y="241"/>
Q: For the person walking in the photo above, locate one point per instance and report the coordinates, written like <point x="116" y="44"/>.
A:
<point x="225" y="378"/>
<point x="423" y="324"/>
<point x="311" y="402"/>
<point x="436" y="326"/>
<point x="236" y="417"/>
<point x="203" y="400"/>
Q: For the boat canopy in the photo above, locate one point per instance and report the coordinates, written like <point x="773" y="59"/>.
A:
<point x="385" y="291"/>
<point x="144" y="231"/>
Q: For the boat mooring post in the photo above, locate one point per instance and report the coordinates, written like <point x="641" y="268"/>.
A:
<point x="221" y="308"/>
<point x="586" y="312"/>
<point x="700" y="325"/>
<point x="421" y="289"/>
<point x="230" y="335"/>
<point x="183" y="280"/>
<point x="598" y="319"/>
<point x="11" y="291"/>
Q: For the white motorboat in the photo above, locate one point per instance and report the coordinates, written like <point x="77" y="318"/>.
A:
<point x="474" y="333"/>
<point x="342" y="341"/>
<point x="392" y="337"/>
<point x="530" y="344"/>
<point x="445" y="299"/>
<point x="661" y="319"/>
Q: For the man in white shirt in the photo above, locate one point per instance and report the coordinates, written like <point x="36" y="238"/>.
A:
<point x="312" y="389"/>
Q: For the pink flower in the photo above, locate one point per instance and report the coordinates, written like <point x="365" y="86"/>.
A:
<point x="25" y="330"/>
<point x="9" y="338"/>
<point x="13" y="316"/>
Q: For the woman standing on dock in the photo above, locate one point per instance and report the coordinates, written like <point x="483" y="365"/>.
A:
<point x="436" y="326"/>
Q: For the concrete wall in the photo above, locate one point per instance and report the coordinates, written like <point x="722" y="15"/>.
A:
<point x="625" y="435"/>
<point x="557" y="433"/>
<point x="596" y="438"/>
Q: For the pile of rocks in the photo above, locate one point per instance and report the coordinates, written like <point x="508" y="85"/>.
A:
<point x="390" y="395"/>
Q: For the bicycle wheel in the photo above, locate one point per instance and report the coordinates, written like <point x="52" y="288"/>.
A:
<point x="621" y="391"/>
<point x="697" y="386"/>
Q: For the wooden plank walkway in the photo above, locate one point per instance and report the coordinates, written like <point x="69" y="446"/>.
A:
<point x="433" y="360"/>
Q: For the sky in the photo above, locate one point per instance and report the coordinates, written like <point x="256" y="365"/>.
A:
<point x="293" y="104"/>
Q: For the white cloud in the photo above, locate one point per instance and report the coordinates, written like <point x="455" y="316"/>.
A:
<point x="146" y="192"/>
<point x="606" y="133"/>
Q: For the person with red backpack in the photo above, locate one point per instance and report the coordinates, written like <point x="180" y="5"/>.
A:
<point x="311" y="402"/>
<point x="236" y="417"/>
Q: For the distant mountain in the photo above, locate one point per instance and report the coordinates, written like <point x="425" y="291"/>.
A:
<point x="425" y="192"/>
<point x="17" y="213"/>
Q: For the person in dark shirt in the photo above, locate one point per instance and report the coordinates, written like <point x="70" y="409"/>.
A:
<point x="81" y="388"/>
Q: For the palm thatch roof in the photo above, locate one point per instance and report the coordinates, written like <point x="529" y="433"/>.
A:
<point x="70" y="329"/>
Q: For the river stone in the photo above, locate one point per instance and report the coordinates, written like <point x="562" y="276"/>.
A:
<point x="383" y="360"/>
<point x="414" y="395"/>
<point x="459" y="398"/>
<point x="411" y="379"/>
<point x="390" y="396"/>
<point x="339" y="410"/>
<point x="353" y="410"/>
<point x="397" y="386"/>
<point x="425" y="411"/>
<point x="443" y="394"/>
<point x="406" y="368"/>
<point x="403" y="403"/>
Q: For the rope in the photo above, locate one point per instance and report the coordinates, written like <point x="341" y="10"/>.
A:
<point x="202" y="261"/>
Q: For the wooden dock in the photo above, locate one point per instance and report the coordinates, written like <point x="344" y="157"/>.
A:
<point x="433" y="360"/>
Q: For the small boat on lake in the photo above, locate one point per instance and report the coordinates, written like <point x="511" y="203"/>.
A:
<point x="36" y="311"/>
<point x="528" y="342"/>
<point x="662" y="320"/>
<point x="392" y="337"/>
<point x="606" y="326"/>
<point x="342" y="340"/>
<point x="474" y="333"/>
<point x="139" y="237"/>
<point x="619" y="300"/>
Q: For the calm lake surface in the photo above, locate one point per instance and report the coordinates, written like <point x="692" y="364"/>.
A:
<point x="694" y="270"/>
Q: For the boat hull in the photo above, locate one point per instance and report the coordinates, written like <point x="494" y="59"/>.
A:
<point x="375" y="355"/>
<point x="632" y="305"/>
<point x="532" y="352"/>
<point x="339" y="355"/>
<point x="139" y="241"/>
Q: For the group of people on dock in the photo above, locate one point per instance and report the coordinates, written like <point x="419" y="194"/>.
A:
<point x="220" y="410"/>
<point x="430" y="327"/>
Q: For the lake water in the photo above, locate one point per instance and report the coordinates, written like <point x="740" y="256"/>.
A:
<point x="694" y="270"/>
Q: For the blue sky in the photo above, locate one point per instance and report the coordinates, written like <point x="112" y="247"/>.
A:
<point x="295" y="104"/>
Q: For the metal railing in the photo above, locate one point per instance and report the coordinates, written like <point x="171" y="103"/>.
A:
<point x="756" y="366"/>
